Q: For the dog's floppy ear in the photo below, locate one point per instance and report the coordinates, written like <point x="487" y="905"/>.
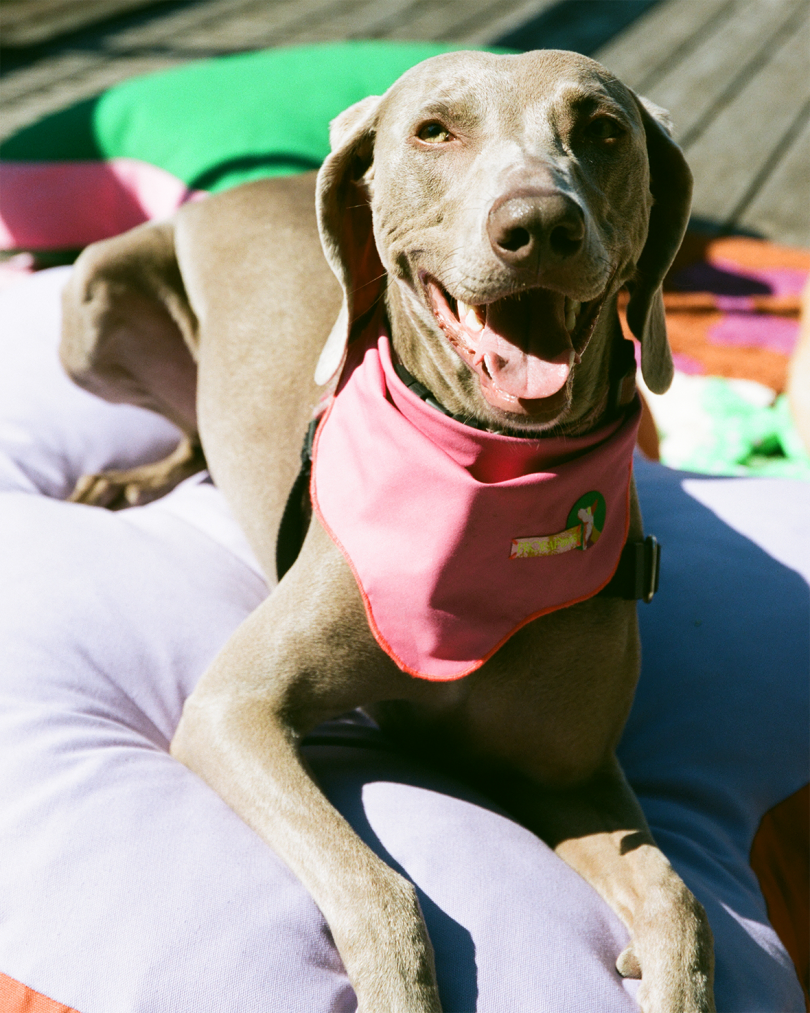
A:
<point x="671" y="186"/>
<point x="345" y="225"/>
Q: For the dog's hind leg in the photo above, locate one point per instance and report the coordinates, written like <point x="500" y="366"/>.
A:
<point x="130" y="336"/>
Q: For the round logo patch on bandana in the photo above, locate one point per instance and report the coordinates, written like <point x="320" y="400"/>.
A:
<point x="583" y="528"/>
<point x="589" y="511"/>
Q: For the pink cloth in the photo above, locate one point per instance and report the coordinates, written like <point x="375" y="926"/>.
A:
<point x="62" y="205"/>
<point x="459" y="537"/>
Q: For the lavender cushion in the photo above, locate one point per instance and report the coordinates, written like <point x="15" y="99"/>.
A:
<point x="127" y="885"/>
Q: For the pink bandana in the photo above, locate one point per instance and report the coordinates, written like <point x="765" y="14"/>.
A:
<point x="459" y="537"/>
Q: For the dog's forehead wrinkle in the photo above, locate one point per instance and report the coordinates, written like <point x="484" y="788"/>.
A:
<point x="428" y="91"/>
<point x="496" y="89"/>
<point x="587" y="92"/>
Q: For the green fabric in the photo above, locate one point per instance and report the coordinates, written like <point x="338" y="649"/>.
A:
<point x="66" y="136"/>
<point x="217" y="123"/>
<point x="728" y="435"/>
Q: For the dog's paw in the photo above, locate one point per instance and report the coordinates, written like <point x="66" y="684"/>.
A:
<point x="106" y="490"/>
<point x="628" y="964"/>
<point x="116" y="490"/>
<point x="672" y="953"/>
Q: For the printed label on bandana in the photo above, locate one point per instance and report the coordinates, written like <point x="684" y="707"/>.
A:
<point x="585" y="523"/>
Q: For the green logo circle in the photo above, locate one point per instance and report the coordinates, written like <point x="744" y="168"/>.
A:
<point x="590" y="511"/>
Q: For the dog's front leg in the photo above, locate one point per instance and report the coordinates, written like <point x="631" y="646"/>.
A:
<point x="598" y="828"/>
<point x="292" y="664"/>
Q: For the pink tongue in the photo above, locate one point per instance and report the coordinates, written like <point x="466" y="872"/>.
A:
<point x="524" y="346"/>
<point x="520" y="374"/>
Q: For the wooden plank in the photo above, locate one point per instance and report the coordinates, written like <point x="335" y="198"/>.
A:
<point x="724" y="63"/>
<point x="365" y="19"/>
<point x="457" y="21"/>
<point x="780" y="210"/>
<point x="498" y="20"/>
<point x="44" y="75"/>
<point x="332" y="20"/>
<point x="471" y="22"/>
<point x="645" y="51"/>
<point x="235" y="25"/>
<point x="581" y="25"/>
<point x="741" y="138"/>
<point x="33" y="22"/>
<point x="79" y="83"/>
<point x="178" y="27"/>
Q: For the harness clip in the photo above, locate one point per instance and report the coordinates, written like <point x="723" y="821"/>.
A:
<point x="647" y="567"/>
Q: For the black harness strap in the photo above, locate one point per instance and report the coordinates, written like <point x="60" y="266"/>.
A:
<point x="298" y="510"/>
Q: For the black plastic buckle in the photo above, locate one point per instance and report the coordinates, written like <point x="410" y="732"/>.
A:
<point x="647" y="568"/>
<point x="636" y="577"/>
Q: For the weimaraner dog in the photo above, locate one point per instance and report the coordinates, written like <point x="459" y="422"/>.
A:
<point x="483" y="214"/>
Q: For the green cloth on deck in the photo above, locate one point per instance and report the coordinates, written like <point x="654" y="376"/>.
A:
<point x="217" y="123"/>
<point x="718" y="426"/>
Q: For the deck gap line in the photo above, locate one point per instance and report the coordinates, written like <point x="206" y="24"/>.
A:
<point x="103" y="60"/>
<point x="207" y="18"/>
<point x="104" y="26"/>
<point x="683" y="49"/>
<point x="389" y="22"/>
<point x="489" y="13"/>
<point x="780" y="37"/>
<point x="779" y="151"/>
<point x="100" y="39"/>
<point x="322" y="15"/>
<point x="105" y="51"/>
<point x="497" y="22"/>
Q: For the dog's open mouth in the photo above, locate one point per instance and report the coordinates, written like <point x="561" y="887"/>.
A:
<point x="522" y="347"/>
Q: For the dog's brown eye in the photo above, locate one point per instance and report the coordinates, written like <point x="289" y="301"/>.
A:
<point x="434" y="133"/>
<point x="604" y="128"/>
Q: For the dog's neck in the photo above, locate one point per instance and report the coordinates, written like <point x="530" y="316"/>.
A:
<point x="602" y="384"/>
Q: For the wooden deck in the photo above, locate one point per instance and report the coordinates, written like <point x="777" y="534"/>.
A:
<point x="734" y="73"/>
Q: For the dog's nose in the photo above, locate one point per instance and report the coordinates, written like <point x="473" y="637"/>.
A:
<point x="530" y="229"/>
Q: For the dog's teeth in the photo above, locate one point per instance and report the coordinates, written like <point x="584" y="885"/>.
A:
<point x="474" y="320"/>
<point x="572" y="307"/>
<point x="468" y="315"/>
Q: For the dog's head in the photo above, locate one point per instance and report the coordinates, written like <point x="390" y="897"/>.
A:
<point x="500" y="203"/>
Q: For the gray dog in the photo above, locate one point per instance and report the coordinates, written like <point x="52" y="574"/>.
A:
<point x="480" y="218"/>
